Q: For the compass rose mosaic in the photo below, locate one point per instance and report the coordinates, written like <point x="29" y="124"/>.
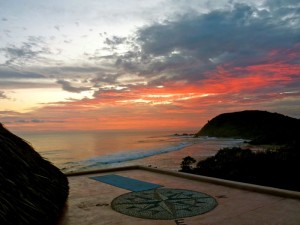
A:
<point x="164" y="204"/>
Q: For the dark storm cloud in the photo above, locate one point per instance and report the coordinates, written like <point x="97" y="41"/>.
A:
<point x="238" y="33"/>
<point x="68" y="87"/>
<point x="191" y="45"/>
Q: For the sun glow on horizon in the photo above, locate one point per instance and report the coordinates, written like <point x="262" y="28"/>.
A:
<point x="145" y="65"/>
<point x="27" y="100"/>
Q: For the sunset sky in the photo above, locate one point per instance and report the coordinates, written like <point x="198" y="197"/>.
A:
<point x="139" y="64"/>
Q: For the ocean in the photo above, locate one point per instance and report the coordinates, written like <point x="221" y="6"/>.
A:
<point x="79" y="151"/>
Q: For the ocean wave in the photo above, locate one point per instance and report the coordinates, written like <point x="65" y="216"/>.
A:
<point x="133" y="155"/>
<point x="207" y="146"/>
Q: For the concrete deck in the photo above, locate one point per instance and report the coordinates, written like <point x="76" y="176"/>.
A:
<point x="89" y="201"/>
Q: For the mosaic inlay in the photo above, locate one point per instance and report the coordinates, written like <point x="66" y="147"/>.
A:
<point x="164" y="204"/>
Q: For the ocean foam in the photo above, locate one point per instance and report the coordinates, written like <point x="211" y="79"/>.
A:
<point x="207" y="146"/>
<point x="133" y="155"/>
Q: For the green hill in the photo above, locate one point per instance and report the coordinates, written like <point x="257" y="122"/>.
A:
<point x="261" y="127"/>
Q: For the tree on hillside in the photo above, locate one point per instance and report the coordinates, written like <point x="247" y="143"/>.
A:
<point x="186" y="164"/>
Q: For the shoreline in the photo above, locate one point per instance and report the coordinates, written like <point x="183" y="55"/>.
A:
<point x="169" y="160"/>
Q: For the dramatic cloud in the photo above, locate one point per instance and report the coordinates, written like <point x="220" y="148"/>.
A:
<point x="66" y="85"/>
<point x="196" y="43"/>
<point x="165" y="63"/>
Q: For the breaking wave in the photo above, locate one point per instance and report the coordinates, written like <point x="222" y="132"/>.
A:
<point x="121" y="158"/>
<point x="133" y="155"/>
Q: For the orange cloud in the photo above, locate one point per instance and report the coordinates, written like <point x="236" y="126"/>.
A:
<point x="175" y="104"/>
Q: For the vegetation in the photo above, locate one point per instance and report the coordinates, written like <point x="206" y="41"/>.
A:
<point x="186" y="164"/>
<point x="276" y="168"/>
<point x="33" y="191"/>
<point x="260" y="127"/>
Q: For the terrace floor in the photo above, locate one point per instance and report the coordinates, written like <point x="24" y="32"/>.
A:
<point x="91" y="202"/>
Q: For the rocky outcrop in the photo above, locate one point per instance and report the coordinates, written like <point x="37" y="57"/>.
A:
<point x="33" y="191"/>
